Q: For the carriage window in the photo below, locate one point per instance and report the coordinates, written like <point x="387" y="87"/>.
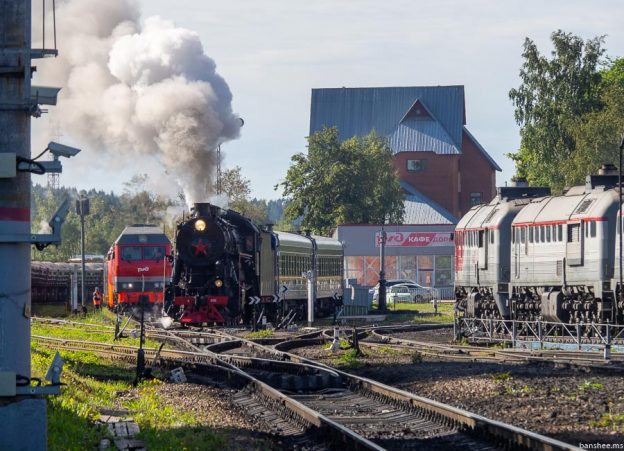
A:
<point x="131" y="253"/>
<point x="491" y="236"/>
<point x="542" y="234"/>
<point x="586" y="229"/>
<point x="560" y="232"/>
<point x="531" y="234"/>
<point x="548" y="234"/>
<point x="481" y="233"/>
<point x="523" y="235"/>
<point x="592" y="226"/>
<point x="574" y="233"/>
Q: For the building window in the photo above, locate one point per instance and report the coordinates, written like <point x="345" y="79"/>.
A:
<point x="416" y="165"/>
<point x="475" y="199"/>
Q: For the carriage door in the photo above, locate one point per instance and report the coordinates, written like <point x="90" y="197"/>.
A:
<point x="483" y="245"/>
<point x="574" y="244"/>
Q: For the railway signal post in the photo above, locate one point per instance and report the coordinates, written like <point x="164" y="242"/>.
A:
<point x="82" y="209"/>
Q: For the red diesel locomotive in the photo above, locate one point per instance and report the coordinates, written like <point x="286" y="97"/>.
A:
<point x="136" y="266"/>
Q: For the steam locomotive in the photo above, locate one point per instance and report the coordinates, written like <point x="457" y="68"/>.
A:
<point x="528" y="255"/>
<point x="227" y="271"/>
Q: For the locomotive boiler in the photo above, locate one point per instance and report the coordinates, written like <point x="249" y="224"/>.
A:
<point x="228" y="271"/>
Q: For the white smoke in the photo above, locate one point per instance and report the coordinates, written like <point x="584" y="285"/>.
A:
<point x="132" y="88"/>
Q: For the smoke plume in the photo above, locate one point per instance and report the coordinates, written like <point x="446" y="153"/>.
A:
<point x="135" y="88"/>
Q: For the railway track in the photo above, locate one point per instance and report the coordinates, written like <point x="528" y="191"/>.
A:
<point x="389" y="417"/>
<point x="320" y="407"/>
<point x="386" y="336"/>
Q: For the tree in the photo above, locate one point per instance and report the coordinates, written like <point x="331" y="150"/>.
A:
<point x="349" y="182"/>
<point x="236" y="188"/>
<point x="554" y="93"/>
<point x="597" y="134"/>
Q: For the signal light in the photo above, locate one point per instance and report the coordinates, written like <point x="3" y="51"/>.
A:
<point x="218" y="283"/>
<point x="200" y="225"/>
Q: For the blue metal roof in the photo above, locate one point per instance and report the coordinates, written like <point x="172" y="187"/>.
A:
<point x="357" y="111"/>
<point x="419" y="209"/>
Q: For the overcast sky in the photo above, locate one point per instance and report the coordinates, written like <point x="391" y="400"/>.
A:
<point x="273" y="52"/>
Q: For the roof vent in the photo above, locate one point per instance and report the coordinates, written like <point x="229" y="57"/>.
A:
<point x="519" y="182"/>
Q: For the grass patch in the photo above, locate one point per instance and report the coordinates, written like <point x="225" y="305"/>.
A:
<point x="614" y="421"/>
<point x="417" y="358"/>
<point x="350" y="358"/>
<point x="589" y="386"/>
<point x="515" y="391"/>
<point x="93" y="383"/>
<point x="501" y="376"/>
<point x="265" y="333"/>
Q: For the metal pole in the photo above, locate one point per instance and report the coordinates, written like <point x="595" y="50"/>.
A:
<point x="619" y="298"/>
<point x="82" y="253"/>
<point x="310" y="278"/>
<point x="382" y="270"/>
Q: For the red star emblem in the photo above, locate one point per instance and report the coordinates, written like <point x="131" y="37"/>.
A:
<point x="200" y="247"/>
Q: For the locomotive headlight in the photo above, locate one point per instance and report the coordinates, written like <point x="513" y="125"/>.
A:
<point x="200" y="225"/>
<point x="218" y="283"/>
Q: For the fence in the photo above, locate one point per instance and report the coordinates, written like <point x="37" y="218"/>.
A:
<point x="542" y="334"/>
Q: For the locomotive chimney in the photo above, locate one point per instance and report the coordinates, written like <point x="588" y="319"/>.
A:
<point x="607" y="169"/>
<point x="205" y="209"/>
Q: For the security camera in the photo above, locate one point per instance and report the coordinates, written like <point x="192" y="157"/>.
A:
<point x="61" y="150"/>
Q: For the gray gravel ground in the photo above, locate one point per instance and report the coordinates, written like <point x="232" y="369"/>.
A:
<point x="571" y="404"/>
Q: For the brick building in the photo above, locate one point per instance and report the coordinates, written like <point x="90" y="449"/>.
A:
<point x="425" y="126"/>
<point x="443" y="171"/>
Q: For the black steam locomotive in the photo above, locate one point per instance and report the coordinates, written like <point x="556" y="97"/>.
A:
<point x="228" y="271"/>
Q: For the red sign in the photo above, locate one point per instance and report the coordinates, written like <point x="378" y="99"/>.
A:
<point x="415" y="239"/>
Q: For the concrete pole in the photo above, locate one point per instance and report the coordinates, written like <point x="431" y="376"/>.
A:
<point x="22" y="419"/>
<point x="15" y="192"/>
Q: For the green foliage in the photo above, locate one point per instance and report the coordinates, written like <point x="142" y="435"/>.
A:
<point x="108" y="216"/>
<point x="265" y="333"/>
<point x="511" y="390"/>
<point x="588" y="386"/>
<point x="93" y="383"/>
<point x="348" y="182"/>
<point x="350" y="358"/>
<point x="237" y="189"/>
<point x="417" y="358"/>
<point x="501" y="376"/>
<point x="553" y="95"/>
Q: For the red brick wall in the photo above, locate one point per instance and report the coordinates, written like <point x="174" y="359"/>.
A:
<point x="438" y="181"/>
<point x="449" y="179"/>
<point x="477" y="174"/>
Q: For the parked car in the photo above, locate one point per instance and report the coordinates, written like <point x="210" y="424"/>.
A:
<point x="401" y="290"/>
<point x="389" y="283"/>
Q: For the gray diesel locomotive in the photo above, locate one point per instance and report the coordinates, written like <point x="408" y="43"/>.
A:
<point x="528" y="255"/>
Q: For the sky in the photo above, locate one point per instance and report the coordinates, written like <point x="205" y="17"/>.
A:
<point x="272" y="53"/>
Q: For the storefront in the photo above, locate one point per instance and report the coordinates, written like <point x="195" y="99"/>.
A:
<point x="422" y="253"/>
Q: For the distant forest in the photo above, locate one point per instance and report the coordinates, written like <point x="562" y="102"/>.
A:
<point x="110" y="213"/>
